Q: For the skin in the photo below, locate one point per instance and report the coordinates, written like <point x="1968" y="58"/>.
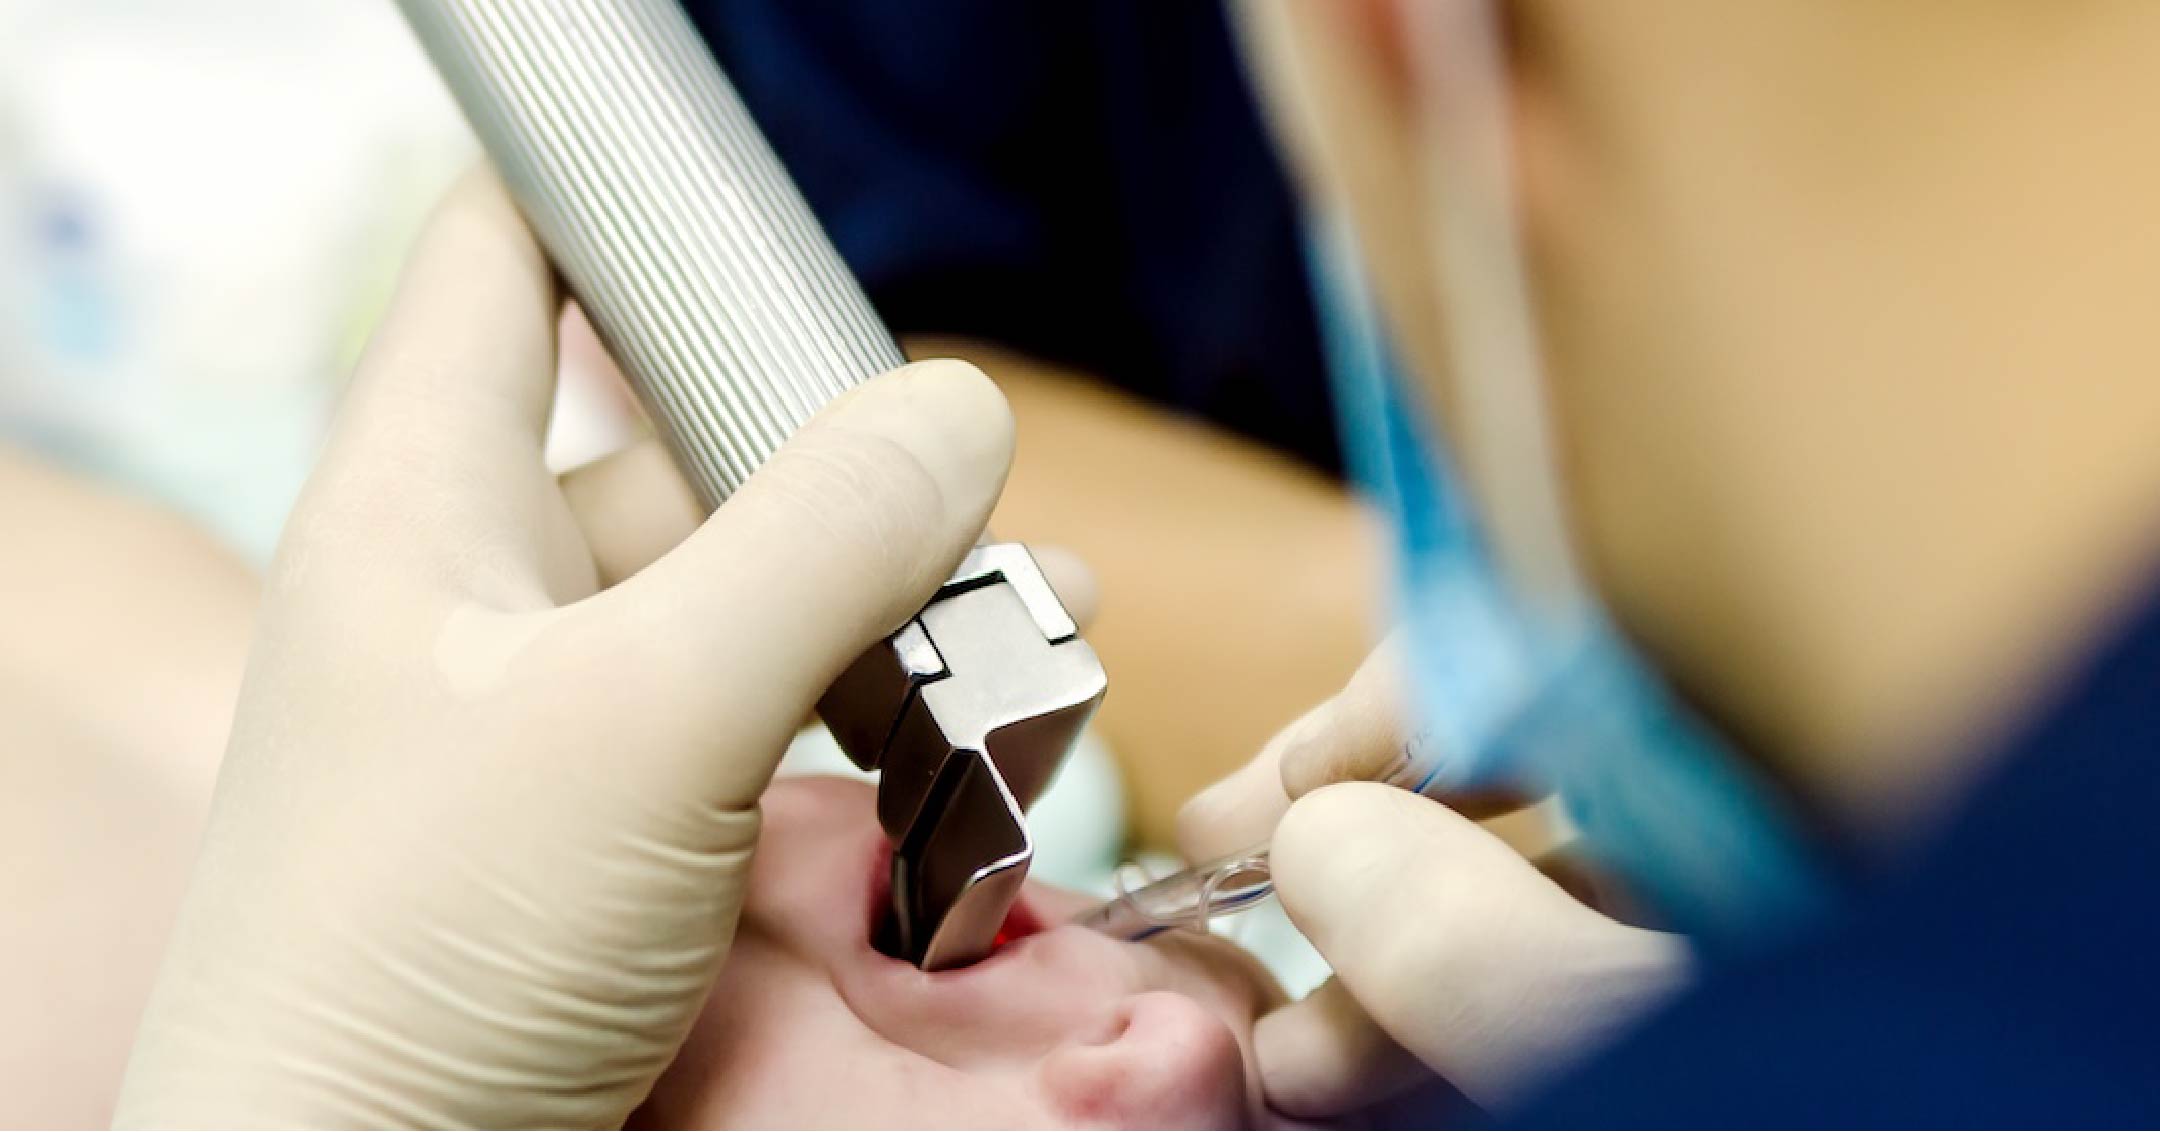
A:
<point x="1845" y="310"/>
<point x="1063" y="1028"/>
<point x="127" y="630"/>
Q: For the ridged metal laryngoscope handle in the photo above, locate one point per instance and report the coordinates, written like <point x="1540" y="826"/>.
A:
<point x="669" y="216"/>
<point x="711" y="283"/>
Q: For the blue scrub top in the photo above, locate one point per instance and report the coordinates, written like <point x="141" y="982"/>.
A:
<point x="1087" y="183"/>
<point x="2007" y="973"/>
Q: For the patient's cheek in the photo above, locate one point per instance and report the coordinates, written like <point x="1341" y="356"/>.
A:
<point x="1159" y="1060"/>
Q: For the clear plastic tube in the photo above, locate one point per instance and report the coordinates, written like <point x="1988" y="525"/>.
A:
<point x="1194" y="897"/>
<point x="1189" y="899"/>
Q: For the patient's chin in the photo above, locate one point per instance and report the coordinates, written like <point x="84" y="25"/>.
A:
<point x="1161" y="1061"/>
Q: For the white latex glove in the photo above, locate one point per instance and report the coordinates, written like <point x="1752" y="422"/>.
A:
<point x="482" y="831"/>
<point x="1451" y="950"/>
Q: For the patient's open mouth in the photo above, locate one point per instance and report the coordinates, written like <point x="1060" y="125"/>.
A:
<point x="1021" y="921"/>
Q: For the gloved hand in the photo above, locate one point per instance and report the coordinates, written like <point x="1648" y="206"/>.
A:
<point x="483" y="827"/>
<point x="1451" y="950"/>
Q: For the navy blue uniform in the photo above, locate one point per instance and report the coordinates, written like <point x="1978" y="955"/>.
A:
<point x="2004" y="975"/>
<point x="1087" y="183"/>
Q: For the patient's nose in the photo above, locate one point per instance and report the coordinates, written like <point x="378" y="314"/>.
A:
<point x="1159" y="1060"/>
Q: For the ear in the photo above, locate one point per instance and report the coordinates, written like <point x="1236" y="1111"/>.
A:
<point x="1160" y="1060"/>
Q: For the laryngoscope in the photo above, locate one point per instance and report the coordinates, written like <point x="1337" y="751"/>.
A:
<point x="708" y="278"/>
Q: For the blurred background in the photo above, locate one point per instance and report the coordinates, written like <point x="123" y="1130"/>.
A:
<point x="205" y="203"/>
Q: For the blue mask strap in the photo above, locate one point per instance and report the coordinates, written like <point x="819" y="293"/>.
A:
<point x="1551" y="700"/>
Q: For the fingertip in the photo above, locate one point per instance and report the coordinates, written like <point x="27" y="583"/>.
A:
<point x="1301" y="1071"/>
<point x="1352" y="835"/>
<point x="1242" y="808"/>
<point x="1301" y="751"/>
<point x="479" y="202"/>
<point x="1340" y="816"/>
<point x="950" y="417"/>
<point x="1340" y="858"/>
<point x="1194" y="827"/>
<point x="469" y="332"/>
<point x="1071" y="579"/>
<point x="889" y="485"/>
<point x="962" y="381"/>
<point x="1239" y="811"/>
<point x="1358" y="733"/>
<point x="478" y="187"/>
<point x="1325" y="1056"/>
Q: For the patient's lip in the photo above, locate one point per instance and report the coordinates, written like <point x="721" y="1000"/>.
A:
<point x="1020" y="923"/>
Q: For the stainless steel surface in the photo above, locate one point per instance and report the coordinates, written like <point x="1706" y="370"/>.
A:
<point x="710" y="281"/>
<point x="985" y="690"/>
<point x="961" y="868"/>
<point x="668" y="214"/>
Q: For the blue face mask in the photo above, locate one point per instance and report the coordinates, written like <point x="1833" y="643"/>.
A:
<point x="1552" y="699"/>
